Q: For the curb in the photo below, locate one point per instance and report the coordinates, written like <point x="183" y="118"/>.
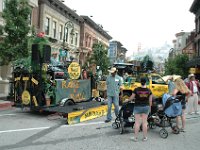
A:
<point x="6" y="105"/>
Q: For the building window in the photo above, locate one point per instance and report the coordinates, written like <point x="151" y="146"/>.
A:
<point x="179" y="43"/>
<point x="66" y="34"/>
<point x="76" y="39"/>
<point x="30" y="18"/>
<point x="47" y="25"/>
<point x="54" y="29"/>
<point x="72" y="39"/>
<point x="89" y="41"/>
<point x="61" y="32"/>
<point x="4" y="4"/>
<point x="198" y="48"/>
<point x="198" y="29"/>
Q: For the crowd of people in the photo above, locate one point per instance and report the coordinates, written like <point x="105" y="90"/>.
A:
<point x="187" y="90"/>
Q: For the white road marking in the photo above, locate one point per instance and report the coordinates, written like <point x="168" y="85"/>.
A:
<point x="42" y="128"/>
<point x="7" y="115"/>
<point x="83" y="124"/>
<point x="28" y="129"/>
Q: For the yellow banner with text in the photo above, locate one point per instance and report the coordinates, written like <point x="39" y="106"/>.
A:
<point x="88" y="114"/>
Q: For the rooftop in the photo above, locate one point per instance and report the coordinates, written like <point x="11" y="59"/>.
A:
<point x="96" y="27"/>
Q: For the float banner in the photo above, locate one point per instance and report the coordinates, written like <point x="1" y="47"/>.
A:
<point x="78" y="90"/>
<point x="87" y="114"/>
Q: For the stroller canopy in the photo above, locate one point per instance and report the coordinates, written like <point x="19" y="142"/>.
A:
<point x="172" y="106"/>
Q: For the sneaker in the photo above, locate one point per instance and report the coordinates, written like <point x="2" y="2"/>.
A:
<point x="145" y="139"/>
<point x="182" y="130"/>
<point x="134" y="139"/>
<point x="107" y="120"/>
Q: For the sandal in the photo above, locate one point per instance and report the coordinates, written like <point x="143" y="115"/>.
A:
<point x="182" y="130"/>
<point x="145" y="139"/>
<point x="134" y="139"/>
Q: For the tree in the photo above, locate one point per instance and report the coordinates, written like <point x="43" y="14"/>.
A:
<point x="16" y="29"/>
<point x="99" y="57"/>
<point x="177" y="65"/>
<point x="147" y="64"/>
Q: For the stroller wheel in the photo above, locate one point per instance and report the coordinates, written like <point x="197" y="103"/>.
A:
<point x="115" y="125"/>
<point x="163" y="133"/>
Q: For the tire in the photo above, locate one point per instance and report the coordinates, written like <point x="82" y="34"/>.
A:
<point x="163" y="133"/>
<point x="115" y="125"/>
<point x="126" y="95"/>
<point x="69" y="102"/>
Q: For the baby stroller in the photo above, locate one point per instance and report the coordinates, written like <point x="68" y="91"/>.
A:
<point x="167" y="111"/>
<point x="125" y="117"/>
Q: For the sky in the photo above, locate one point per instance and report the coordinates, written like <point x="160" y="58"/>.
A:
<point x="148" y="22"/>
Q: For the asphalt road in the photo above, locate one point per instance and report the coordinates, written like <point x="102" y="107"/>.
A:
<point x="26" y="131"/>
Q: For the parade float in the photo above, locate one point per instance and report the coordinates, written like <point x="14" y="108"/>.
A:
<point x="42" y="87"/>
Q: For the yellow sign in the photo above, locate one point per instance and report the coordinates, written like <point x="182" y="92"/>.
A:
<point x="25" y="78"/>
<point x="88" y="114"/>
<point x="194" y="70"/>
<point x="34" y="81"/>
<point x="101" y="85"/>
<point x="17" y="78"/>
<point x="74" y="70"/>
<point x="95" y="93"/>
<point x="26" y="98"/>
<point x="35" y="101"/>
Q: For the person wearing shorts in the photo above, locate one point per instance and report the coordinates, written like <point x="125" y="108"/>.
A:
<point x="142" y="107"/>
<point x="183" y="92"/>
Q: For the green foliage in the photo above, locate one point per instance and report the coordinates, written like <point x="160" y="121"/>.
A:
<point x="147" y="64"/>
<point x="16" y="29"/>
<point x="177" y="65"/>
<point x="23" y="64"/>
<point x="99" y="57"/>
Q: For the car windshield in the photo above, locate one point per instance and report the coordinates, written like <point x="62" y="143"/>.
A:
<point x="157" y="80"/>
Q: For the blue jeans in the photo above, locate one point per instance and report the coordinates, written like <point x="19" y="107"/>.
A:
<point x="141" y="110"/>
<point x="115" y="101"/>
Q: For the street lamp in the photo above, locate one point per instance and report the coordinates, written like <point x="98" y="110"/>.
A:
<point x="68" y="25"/>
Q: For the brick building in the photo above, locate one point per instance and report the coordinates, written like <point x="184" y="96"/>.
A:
<point x="90" y="34"/>
<point x="194" y="63"/>
<point x="62" y="26"/>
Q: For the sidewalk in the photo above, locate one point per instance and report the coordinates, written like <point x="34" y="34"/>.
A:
<point x="4" y="105"/>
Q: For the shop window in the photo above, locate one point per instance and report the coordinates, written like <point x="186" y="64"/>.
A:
<point x="54" y="29"/>
<point x="76" y="39"/>
<point x="61" y="32"/>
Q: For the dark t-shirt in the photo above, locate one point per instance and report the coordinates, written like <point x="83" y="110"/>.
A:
<point x="142" y="96"/>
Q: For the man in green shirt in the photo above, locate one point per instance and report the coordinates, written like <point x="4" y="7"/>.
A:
<point x="114" y="83"/>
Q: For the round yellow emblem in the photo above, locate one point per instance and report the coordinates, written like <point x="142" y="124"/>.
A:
<point x="74" y="70"/>
<point x="26" y="98"/>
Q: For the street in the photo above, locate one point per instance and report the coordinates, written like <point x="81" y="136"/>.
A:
<point x="27" y="131"/>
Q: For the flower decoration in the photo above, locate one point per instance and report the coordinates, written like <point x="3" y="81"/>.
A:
<point x="41" y="34"/>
